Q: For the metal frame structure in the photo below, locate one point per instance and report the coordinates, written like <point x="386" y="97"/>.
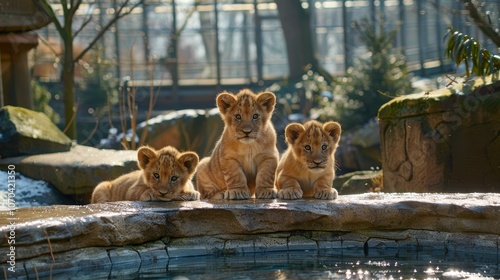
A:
<point x="216" y="52"/>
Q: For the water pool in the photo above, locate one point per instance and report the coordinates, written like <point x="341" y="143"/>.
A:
<point x="344" y="264"/>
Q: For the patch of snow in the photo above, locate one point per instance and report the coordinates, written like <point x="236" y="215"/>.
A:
<point x="28" y="192"/>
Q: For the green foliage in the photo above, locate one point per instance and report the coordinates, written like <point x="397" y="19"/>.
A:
<point x="298" y="97"/>
<point x="42" y="98"/>
<point x="462" y="48"/>
<point x="375" y="78"/>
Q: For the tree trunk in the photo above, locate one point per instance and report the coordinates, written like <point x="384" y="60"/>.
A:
<point x="295" y="22"/>
<point x="68" y="77"/>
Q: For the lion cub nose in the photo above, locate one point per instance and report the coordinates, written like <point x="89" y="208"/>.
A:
<point x="247" y="130"/>
<point x="317" y="162"/>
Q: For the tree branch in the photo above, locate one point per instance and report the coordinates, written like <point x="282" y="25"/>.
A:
<point x="87" y="21"/>
<point x="74" y="7"/>
<point x="485" y="26"/>
<point x="45" y="6"/>
<point x="118" y="14"/>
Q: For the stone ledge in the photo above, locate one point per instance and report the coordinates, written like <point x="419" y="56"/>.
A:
<point x="368" y="216"/>
<point x="129" y="237"/>
<point x="129" y="260"/>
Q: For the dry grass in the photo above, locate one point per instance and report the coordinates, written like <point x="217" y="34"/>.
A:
<point x="50" y="245"/>
<point x="128" y="107"/>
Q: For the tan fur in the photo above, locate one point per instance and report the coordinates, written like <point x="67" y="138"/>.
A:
<point x="307" y="168"/>
<point x="244" y="160"/>
<point x="165" y="175"/>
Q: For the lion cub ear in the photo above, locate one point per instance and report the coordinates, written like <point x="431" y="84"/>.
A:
<point x="189" y="160"/>
<point x="333" y="129"/>
<point x="267" y="100"/>
<point x="293" y="131"/>
<point x="225" y="100"/>
<point x="144" y="156"/>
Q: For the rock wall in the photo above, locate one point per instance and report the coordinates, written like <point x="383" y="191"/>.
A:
<point x="457" y="221"/>
<point x="129" y="235"/>
<point x="444" y="141"/>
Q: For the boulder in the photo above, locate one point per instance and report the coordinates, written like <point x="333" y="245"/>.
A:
<point x="443" y="141"/>
<point x="359" y="149"/>
<point x="26" y="132"/>
<point x="75" y="172"/>
<point x="189" y="129"/>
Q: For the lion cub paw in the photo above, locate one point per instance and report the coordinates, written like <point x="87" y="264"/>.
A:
<point x="265" y="193"/>
<point x="325" y="193"/>
<point x="189" y="196"/>
<point x="237" y="194"/>
<point x="290" y="193"/>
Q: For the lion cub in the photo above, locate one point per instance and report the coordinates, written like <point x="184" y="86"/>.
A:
<point x="165" y="175"/>
<point x="243" y="162"/>
<point x="307" y="168"/>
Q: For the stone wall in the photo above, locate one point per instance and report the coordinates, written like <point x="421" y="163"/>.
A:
<point x="444" y="141"/>
<point x="128" y="232"/>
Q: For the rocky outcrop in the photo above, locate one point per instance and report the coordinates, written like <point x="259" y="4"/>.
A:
<point x="444" y="141"/>
<point x="26" y="132"/>
<point x="76" y="172"/>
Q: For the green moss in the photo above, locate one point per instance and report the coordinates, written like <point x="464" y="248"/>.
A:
<point x="23" y="131"/>
<point x="35" y="125"/>
<point x="440" y="100"/>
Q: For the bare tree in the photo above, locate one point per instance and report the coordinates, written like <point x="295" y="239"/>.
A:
<point x="68" y="34"/>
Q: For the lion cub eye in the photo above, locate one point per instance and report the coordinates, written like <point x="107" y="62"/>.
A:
<point x="255" y="116"/>
<point x="324" y="147"/>
<point x="156" y="176"/>
<point x="238" y="117"/>
<point x="307" y="147"/>
<point x="173" y="178"/>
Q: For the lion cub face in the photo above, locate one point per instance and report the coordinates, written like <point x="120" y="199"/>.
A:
<point x="246" y="113"/>
<point x="166" y="171"/>
<point x="313" y="144"/>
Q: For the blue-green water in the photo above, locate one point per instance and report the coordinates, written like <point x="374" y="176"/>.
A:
<point x="345" y="264"/>
<point x="331" y="265"/>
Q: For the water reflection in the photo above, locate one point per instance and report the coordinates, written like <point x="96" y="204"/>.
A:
<point x="346" y="264"/>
